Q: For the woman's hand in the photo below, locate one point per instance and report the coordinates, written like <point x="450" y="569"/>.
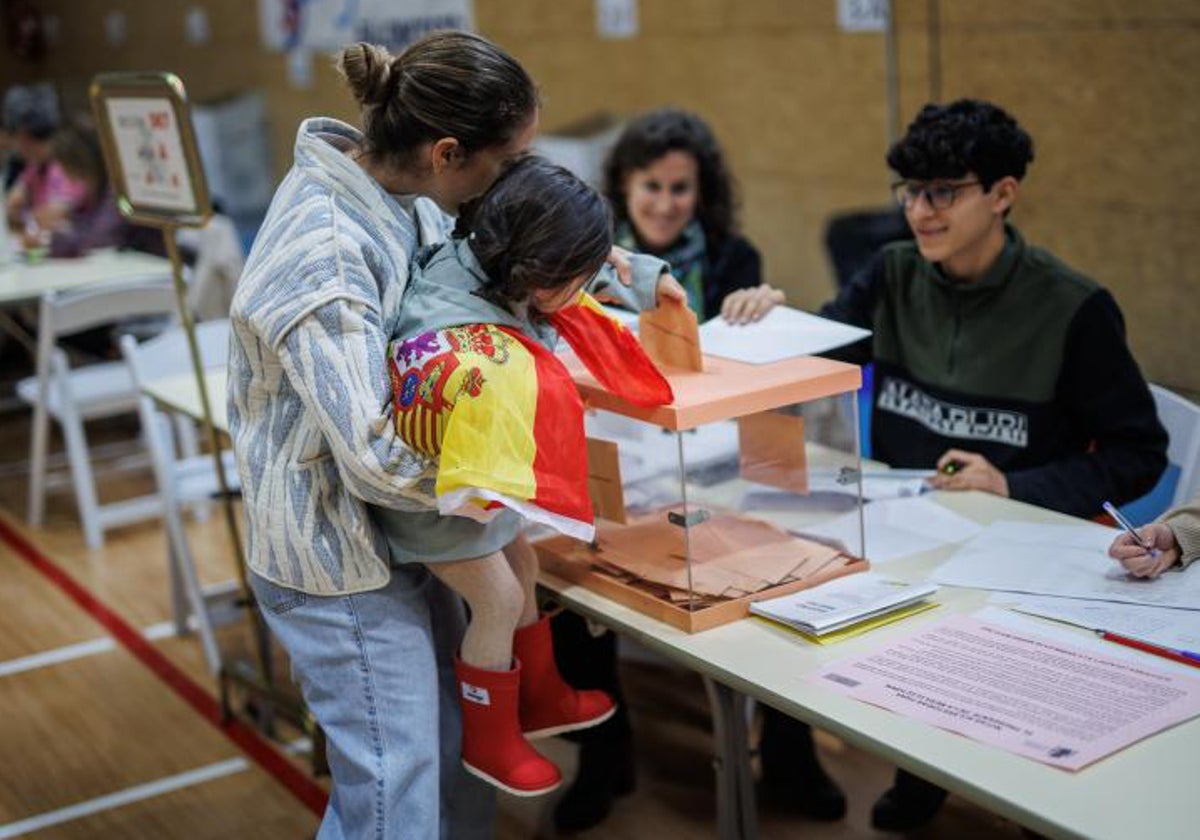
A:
<point x="1142" y="563"/>
<point x="668" y="290"/>
<point x="748" y="305"/>
<point x="959" y="470"/>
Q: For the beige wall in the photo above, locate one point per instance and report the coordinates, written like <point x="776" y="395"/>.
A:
<point x="1105" y="86"/>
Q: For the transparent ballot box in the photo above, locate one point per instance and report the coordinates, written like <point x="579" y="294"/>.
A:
<point x="702" y="506"/>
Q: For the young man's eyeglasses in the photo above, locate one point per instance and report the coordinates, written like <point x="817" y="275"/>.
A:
<point x="940" y="194"/>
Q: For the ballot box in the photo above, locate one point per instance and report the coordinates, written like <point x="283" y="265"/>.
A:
<point x="702" y="505"/>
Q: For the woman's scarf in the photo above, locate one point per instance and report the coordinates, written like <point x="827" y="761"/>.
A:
<point x="688" y="258"/>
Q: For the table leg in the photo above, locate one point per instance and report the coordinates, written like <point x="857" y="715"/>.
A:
<point x="737" y="814"/>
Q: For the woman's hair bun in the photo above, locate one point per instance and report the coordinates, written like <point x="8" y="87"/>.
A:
<point x="367" y="68"/>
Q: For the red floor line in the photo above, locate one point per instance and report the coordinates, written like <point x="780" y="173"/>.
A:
<point x="246" y="738"/>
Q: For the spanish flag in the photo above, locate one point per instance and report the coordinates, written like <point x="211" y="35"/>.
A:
<point x="502" y="414"/>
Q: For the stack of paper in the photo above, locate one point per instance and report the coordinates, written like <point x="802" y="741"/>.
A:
<point x="845" y="602"/>
<point x="876" y="483"/>
<point x="782" y="334"/>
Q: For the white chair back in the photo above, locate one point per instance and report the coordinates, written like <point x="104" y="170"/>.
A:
<point x="71" y="396"/>
<point x="1182" y="419"/>
<point x="168" y="354"/>
<point x="186" y="478"/>
<point x="68" y="313"/>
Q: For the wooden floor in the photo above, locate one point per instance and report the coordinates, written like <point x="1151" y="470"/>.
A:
<point x="96" y="744"/>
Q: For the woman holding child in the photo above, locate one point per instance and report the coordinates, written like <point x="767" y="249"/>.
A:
<point x="372" y="639"/>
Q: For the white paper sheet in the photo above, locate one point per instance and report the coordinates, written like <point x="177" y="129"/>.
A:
<point x="1067" y="561"/>
<point x="876" y="484"/>
<point x="1060" y="702"/>
<point x="782" y="334"/>
<point x="646" y="450"/>
<point x="1029" y="624"/>
<point x="1163" y="626"/>
<point x="899" y="527"/>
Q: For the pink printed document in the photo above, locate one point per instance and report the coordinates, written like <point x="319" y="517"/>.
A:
<point x="1042" y="697"/>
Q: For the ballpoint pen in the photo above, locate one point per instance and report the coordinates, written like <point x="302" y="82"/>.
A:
<point x="1184" y="657"/>
<point x="1112" y="511"/>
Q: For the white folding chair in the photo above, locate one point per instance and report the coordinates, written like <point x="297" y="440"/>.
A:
<point x="184" y="478"/>
<point x="74" y="395"/>
<point x="1182" y="419"/>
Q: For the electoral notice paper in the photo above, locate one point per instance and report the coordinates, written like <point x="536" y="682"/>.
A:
<point x="1040" y="697"/>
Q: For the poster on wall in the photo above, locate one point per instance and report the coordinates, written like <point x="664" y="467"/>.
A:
<point x="325" y="25"/>
<point x="150" y="148"/>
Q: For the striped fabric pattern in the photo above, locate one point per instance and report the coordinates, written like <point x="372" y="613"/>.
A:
<point x="309" y="397"/>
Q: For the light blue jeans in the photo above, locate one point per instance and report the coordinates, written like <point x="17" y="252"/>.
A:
<point x="377" y="670"/>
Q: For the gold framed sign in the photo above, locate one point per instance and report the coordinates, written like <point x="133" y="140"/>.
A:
<point x="145" y="126"/>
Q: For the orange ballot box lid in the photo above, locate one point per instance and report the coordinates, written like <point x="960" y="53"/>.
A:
<point x="726" y="389"/>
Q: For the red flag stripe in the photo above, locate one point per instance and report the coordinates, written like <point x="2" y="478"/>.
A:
<point x="560" y="460"/>
<point x="613" y="355"/>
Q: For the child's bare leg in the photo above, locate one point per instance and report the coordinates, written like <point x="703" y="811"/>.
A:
<point x="496" y="597"/>
<point x="524" y="563"/>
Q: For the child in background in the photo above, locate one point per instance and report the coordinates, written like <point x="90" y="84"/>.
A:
<point x="477" y="386"/>
<point x="93" y="221"/>
<point x="43" y="194"/>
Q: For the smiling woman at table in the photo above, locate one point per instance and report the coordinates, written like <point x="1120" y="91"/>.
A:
<point x="1174" y="540"/>
<point x="673" y="196"/>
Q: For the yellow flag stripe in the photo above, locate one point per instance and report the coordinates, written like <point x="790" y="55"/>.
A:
<point x="488" y="438"/>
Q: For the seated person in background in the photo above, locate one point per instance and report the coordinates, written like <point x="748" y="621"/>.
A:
<point x="673" y="197"/>
<point x="10" y="159"/>
<point x="93" y="221"/>
<point x="992" y="355"/>
<point x="1174" y="540"/>
<point x="43" y="194"/>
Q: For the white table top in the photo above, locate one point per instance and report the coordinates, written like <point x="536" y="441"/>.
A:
<point x="1143" y="791"/>
<point x="21" y="281"/>
<point x="179" y="393"/>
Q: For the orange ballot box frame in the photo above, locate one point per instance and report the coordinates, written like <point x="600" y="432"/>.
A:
<point x="696" y="563"/>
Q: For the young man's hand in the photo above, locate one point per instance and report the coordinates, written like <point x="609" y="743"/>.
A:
<point x="1142" y="563"/>
<point x="745" y="306"/>
<point x="669" y="290"/>
<point x="959" y="470"/>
